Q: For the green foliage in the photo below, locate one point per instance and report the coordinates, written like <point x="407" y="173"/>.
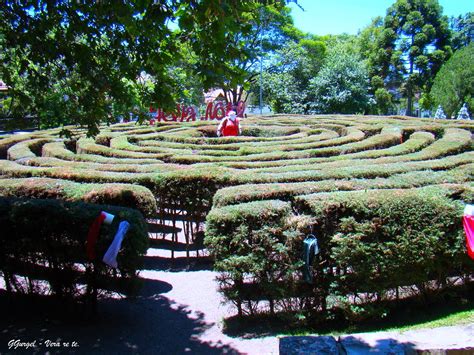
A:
<point x="254" y="244"/>
<point x="70" y="62"/>
<point x="130" y="196"/>
<point x="463" y="30"/>
<point x="382" y="240"/>
<point x="383" y="98"/>
<point x="377" y="241"/>
<point x="342" y="85"/>
<point x="414" y="43"/>
<point x="367" y="42"/>
<point x="454" y="84"/>
<point x="253" y="31"/>
<point x="287" y="88"/>
<point x="44" y="240"/>
<point x="288" y="191"/>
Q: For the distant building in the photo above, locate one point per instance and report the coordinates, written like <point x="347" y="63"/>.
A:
<point x="219" y="95"/>
<point x="213" y="95"/>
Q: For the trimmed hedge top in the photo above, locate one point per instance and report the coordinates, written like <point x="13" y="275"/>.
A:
<point x="185" y="164"/>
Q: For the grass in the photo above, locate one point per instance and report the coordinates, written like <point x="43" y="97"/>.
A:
<point x="403" y="318"/>
<point x="406" y="315"/>
<point x="457" y="318"/>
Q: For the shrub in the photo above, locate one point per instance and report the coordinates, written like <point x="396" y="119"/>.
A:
<point x="9" y="141"/>
<point x="253" y="245"/>
<point x="27" y="149"/>
<point x="379" y="241"/>
<point x="58" y="150"/>
<point x="131" y="196"/>
<point x="44" y="240"/>
<point x="87" y="145"/>
<point x="287" y="191"/>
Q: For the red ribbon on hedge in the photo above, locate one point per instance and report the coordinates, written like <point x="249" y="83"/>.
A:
<point x="468" y="222"/>
<point x="93" y="234"/>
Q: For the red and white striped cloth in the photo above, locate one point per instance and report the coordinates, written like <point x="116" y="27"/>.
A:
<point x="94" y="231"/>
<point x="468" y="222"/>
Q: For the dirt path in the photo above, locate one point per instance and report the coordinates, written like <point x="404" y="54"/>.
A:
<point x="176" y="313"/>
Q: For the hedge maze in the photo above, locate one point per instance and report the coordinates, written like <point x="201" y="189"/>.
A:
<point x="383" y="196"/>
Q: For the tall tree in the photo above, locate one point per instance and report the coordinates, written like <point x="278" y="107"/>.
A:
<point x="368" y="42"/>
<point x="265" y="31"/>
<point x="89" y="48"/>
<point x="286" y="82"/>
<point x="454" y="83"/>
<point x="415" y="42"/>
<point x="342" y="85"/>
<point x="463" y="30"/>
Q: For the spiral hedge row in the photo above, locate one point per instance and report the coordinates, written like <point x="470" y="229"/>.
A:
<point x="383" y="195"/>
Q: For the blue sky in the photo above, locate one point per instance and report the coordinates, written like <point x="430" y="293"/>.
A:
<point x="348" y="16"/>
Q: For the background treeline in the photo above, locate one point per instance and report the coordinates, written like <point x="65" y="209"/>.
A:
<point x="414" y="57"/>
<point x="67" y="62"/>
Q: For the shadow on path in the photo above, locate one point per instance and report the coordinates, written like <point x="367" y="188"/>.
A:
<point x="294" y="345"/>
<point x="148" y="324"/>
<point x="177" y="264"/>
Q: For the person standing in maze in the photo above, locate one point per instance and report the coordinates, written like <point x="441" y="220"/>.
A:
<point x="229" y="126"/>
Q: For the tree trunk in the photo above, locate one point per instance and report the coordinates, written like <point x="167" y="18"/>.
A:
<point x="241" y="92"/>
<point x="409" y="102"/>
<point x="246" y="97"/>
<point x="226" y="96"/>
<point x="409" y="84"/>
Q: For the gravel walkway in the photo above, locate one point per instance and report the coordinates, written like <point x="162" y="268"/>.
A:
<point x="176" y="313"/>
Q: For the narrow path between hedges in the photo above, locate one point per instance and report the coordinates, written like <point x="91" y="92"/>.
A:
<point x="192" y="289"/>
<point x="178" y="311"/>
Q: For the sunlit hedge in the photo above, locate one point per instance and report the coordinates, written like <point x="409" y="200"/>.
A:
<point x="262" y="194"/>
<point x="374" y="244"/>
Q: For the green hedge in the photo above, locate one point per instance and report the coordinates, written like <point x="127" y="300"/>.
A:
<point x="379" y="241"/>
<point x="58" y="150"/>
<point x="27" y="149"/>
<point x="44" y="241"/>
<point x="269" y="154"/>
<point x="88" y="146"/>
<point x="454" y="141"/>
<point x="125" y="195"/>
<point x="373" y="244"/>
<point x="110" y="167"/>
<point x="416" y="141"/>
<point x="287" y="191"/>
<point x="367" y="171"/>
<point x="8" y="142"/>
<point x="253" y="243"/>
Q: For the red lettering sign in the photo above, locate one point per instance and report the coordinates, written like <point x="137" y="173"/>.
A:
<point x="183" y="113"/>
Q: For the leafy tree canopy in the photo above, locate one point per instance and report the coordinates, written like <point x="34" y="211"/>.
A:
<point x="269" y="30"/>
<point x="454" y="83"/>
<point x="83" y="58"/>
<point x="342" y="85"/>
<point x="463" y="30"/>
<point x="415" y="42"/>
